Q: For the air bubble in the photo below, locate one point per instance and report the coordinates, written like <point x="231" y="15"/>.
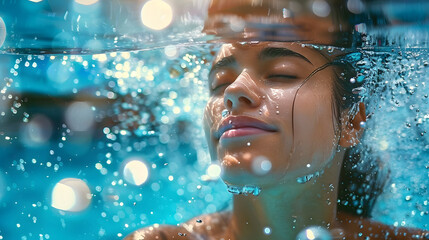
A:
<point x="267" y="231"/>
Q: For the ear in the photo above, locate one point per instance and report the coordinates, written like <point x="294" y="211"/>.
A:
<point x="351" y="128"/>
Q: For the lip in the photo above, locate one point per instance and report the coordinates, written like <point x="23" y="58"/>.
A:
<point x="242" y="126"/>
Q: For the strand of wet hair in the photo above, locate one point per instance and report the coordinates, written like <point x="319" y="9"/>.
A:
<point x="296" y="93"/>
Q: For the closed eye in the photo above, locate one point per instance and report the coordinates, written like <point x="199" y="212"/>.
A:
<point x="285" y="76"/>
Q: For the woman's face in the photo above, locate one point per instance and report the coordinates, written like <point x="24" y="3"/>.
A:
<point x="275" y="129"/>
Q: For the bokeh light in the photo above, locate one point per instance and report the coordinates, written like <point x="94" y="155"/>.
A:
<point x="79" y="116"/>
<point x="214" y="171"/>
<point x="156" y="14"/>
<point x="355" y="6"/>
<point x="136" y="172"/>
<point x="321" y="8"/>
<point x="37" y="131"/>
<point x="71" y="194"/>
<point x="261" y="165"/>
<point x="59" y="72"/>
<point x="314" y="233"/>
<point x="171" y="52"/>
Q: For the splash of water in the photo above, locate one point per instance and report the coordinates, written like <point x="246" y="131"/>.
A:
<point x="245" y="190"/>
<point x="308" y="177"/>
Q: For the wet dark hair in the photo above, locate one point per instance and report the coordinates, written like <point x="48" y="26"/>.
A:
<point x="358" y="187"/>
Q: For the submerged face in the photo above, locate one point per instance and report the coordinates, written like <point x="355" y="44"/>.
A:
<point x="278" y="126"/>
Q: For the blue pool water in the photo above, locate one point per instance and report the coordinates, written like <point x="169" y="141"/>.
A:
<point x="39" y="147"/>
<point x="97" y="145"/>
<point x="55" y="127"/>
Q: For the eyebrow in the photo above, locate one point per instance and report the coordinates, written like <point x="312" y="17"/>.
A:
<point x="224" y="62"/>
<point x="274" y="52"/>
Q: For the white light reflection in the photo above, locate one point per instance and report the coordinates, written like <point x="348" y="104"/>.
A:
<point x="136" y="172"/>
<point x="86" y="2"/>
<point x="321" y="8"/>
<point x="314" y="233"/>
<point x="214" y="171"/>
<point x="71" y="194"/>
<point x="310" y="234"/>
<point x="36" y="1"/>
<point x="79" y="116"/>
<point x="2" y="31"/>
<point x="156" y="14"/>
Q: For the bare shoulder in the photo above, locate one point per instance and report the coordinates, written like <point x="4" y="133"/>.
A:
<point x="213" y="225"/>
<point x="201" y="227"/>
<point x="356" y="226"/>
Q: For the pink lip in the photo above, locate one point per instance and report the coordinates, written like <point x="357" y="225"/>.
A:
<point x="237" y="126"/>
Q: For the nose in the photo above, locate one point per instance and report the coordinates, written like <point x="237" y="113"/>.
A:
<point x="243" y="92"/>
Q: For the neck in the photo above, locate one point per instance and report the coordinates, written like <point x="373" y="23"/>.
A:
<point x="285" y="209"/>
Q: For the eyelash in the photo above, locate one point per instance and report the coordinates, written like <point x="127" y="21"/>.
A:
<point x="282" y="76"/>
<point x="270" y="76"/>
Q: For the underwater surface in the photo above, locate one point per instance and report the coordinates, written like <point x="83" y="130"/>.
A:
<point x="96" y="144"/>
<point x="133" y="143"/>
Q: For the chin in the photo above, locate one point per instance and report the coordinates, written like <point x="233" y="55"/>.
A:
<point x="234" y="175"/>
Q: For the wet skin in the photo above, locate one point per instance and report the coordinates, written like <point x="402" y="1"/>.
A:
<point x="263" y="81"/>
<point x="278" y="113"/>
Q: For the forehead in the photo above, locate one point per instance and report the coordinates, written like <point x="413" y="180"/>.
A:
<point x="246" y="51"/>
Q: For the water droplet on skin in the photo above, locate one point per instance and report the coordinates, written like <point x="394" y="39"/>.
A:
<point x="225" y="113"/>
<point x="246" y="190"/>
<point x="248" y="144"/>
<point x="199" y="221"/>
<point x="308" y="165"/>
<point x="352" y="80"/>
<point x="277" y="112"/>
<point x="328" y="202"/>
<point x="362" y="124"/>
<point x="308" y="177"/>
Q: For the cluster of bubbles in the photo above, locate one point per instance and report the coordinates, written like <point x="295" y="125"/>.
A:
<point x="147" y="142"/>
<point x="395" y="143"/>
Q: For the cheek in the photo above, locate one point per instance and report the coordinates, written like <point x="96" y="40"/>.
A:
<point x="313" y="126"/>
